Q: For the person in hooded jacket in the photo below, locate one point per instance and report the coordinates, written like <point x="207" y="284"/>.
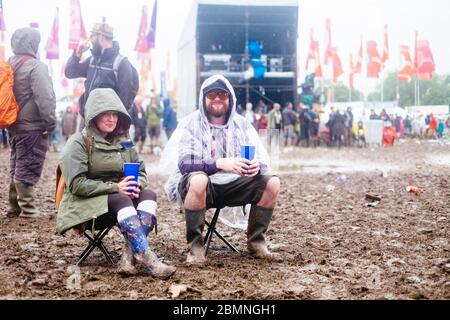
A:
<point x="98" y="194"/>
<point x="209" y="172"/>
<point x="29" y="135"/>
<point x="98" y="69"/>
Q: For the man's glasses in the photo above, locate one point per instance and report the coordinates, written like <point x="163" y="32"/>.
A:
<point x="213" y="95"/>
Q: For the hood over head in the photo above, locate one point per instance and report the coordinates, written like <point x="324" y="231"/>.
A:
<point x="25" y="41"/>
<point x="106" y="99"/>
<point x="217" y="82"/>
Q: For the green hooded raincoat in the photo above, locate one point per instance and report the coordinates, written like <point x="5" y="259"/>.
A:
<point x="90" y="178"/>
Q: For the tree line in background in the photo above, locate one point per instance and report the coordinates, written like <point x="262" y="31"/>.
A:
<point x="432" y="92"/>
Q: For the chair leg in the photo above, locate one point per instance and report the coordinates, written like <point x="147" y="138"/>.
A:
<point x="96" y="242"/>
<point x="212" y="229"/>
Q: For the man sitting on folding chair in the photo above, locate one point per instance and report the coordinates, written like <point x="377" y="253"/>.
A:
<point x="97" y="195"/>
<point x="203" y="158"/>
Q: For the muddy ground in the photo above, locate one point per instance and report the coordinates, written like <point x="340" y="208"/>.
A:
<point x="334" y="245"/>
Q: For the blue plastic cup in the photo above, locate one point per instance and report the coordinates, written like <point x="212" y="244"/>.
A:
<point x="248" y="152"/>
<point x="131" y="169"/>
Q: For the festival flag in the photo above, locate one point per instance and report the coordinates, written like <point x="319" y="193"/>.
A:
<point x="141" y="46"/>
<point x="2" y="19"/>
<point x="328" y="48"/>
<point x="313" y="54"/>
<point x="373" y="60"/>
<point x="351" y="74"/>
<point x="358" y="66"/>
<point x="152" y="31"/>
<point x="425" y="62"/>
<point x="52" y="47"/>
<point x="385" y="56"/>
<point x="407" y="69"/>
<point x="77" y="31"/>
<point x="337" y="65"/>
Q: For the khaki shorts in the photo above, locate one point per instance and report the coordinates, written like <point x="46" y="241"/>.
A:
<point x="239" y="192"/>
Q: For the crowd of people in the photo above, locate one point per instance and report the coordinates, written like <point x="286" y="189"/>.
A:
<point x="305" y="126"/>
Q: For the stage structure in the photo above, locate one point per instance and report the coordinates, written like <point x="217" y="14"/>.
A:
<point x="252" y="43"/>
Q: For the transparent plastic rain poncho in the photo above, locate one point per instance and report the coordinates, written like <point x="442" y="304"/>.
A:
<point x="196" y="139"/>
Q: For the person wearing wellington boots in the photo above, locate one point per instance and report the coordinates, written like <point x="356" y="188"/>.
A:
<point x="209" y="172"/>
<point x="98" y="194"/>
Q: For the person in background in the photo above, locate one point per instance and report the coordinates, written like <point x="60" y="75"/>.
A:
<point x="29" y="135"/>
<point x="261" y="120"/>
<point x="169" y="118"/>
<point x="360" y="132"/>
<point x="154" y="115"/>
<point x="373" y="115"/>
<point x="289" y="120"/>
<point x="99" y="69"/>
<point x="69" y="123"/>
<point x="139" y="120"/>
<point x="274" y="123"/>
<point x="348" y="126"/>
<point x="4" y="137"/>
<point x="249" y="114"/>
<point x="389" y="134"/>
<point x="440" y="128"/>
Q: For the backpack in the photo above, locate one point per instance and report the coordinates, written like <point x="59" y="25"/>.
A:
<point x="9" y="109"/>
<point x="60" y="181"/>
<point x="134" y="78"/>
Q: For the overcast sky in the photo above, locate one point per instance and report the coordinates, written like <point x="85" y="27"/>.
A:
<point x="350" y="19"/>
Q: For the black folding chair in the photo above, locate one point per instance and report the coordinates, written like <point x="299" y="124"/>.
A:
<point x="95" y="240"/>
<point x="212" y="229"/>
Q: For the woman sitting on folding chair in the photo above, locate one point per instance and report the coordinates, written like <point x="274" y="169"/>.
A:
<point x="97" y="194"/>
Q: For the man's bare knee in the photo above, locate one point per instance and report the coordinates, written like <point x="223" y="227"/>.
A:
<point x="198" y="183"/>
<point x="273" y="186"/>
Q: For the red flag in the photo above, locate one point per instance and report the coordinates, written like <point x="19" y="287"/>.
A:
<point x="328" y="48"/>
<point x="351" y="74"/>
<point x="141" y="44"/>
<point x="52" y="47"/>
<point x="425" y="62"/>
<point x="318" y="70"/>
<point x="385" y="56"/>
<point x="337" y="65"/>
<point x="313" y="54"/>
<point x="407" y="70"/>
<point x="77" y="31"/>
<point x="373" y="60"/>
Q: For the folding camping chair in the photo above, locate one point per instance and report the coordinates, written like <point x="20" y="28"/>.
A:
<point x="95" y="240"/>
<point x="212" y="229"/>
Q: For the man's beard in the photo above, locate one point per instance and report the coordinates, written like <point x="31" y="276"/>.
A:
<point x="217" y="113"/>
<point x="96" y="49"/>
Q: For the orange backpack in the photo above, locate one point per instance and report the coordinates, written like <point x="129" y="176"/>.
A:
<point x="9" y="109"/>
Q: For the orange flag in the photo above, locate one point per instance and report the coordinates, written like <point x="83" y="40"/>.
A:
<point x="407" y="69"/>
<point x="337" y="65"/>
